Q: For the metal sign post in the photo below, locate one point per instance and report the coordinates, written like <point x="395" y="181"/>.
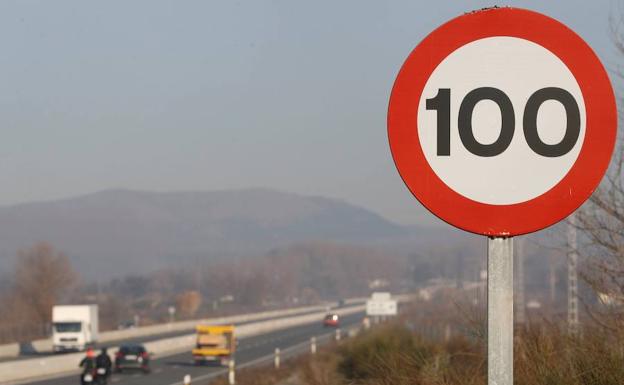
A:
<point x="520" y="302"/>
<point x="500" y="311"/>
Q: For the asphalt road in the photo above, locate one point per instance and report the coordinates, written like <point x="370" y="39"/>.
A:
<point x="170" y="370"/>
<point x="141" y="340"/>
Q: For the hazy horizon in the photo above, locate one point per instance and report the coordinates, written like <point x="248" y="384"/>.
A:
<point x="205" y="96"/>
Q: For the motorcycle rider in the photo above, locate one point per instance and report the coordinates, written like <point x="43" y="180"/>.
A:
<point x="103" y="361"/>
<point x="89" y="366"/>
<point x="88" y="362"/>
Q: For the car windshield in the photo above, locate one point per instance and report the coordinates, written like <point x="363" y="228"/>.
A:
<point x="67" y="327"/>
<point x="135" y="349"/>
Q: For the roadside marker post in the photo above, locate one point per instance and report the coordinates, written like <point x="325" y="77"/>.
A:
<point x="277" y="358"/>
<point x="366" y="323"/>
<point x="313" y="345"/>
<point x="447" y="333"/>
<point x="502" y="122"/>
<point x="231" y="373"/>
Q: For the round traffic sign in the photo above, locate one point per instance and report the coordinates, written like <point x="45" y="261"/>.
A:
<point x="502" y="121"/>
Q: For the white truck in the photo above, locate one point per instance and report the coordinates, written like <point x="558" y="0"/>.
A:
<point x="74" y="327"/>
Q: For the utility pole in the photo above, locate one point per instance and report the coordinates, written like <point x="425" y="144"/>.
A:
<point x="573" y="318"/>
<point x="552" y="281"/>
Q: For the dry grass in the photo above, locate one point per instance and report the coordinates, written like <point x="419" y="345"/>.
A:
<point x="268" y="375"/>
<point x="400" y="353"/>
<point x="546" y="355"/>
<point x="393" y="355"/>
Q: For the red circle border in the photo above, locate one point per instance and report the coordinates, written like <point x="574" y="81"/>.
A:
<point x="555" y="204"/>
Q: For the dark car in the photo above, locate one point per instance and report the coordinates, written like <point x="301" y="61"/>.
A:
<point x="331" y="320"/>
<point x="126" y="325"/>
<point x="132" y="356"/>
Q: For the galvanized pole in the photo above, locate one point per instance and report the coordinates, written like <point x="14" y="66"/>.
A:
<point x="520" y="301"/>
<point x="500" y="311"/>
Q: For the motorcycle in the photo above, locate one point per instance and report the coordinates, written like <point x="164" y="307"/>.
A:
<point x="94" y="377"/>
<point x="88" y="377"/>
<point x="102" y="375"/>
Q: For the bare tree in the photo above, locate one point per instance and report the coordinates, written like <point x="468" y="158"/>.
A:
<point x="188" y="303"/>
<point x="41" y="277"/>
<point x="601" y="219"/>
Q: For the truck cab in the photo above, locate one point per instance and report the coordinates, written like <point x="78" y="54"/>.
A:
<point x="74" y="327"/>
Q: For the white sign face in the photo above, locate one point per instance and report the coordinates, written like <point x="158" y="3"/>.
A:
<point x="501" y="120"/>
<point x="381" y="296"/>
<point x="381" y="308"/>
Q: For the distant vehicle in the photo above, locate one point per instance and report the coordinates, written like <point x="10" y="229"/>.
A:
<point x="74" y="327"/>
<point x="331" y="320"/>
<point x="215" y="343"/>
<point x="126" y="325"/>
<point x="132" y="356"/>
<point x="342" y="303"/>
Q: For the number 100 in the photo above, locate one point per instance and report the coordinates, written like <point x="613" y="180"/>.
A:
<point x="441" y="103"/>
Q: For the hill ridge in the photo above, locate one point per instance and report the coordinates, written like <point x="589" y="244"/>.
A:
<point x="117" y="231"/>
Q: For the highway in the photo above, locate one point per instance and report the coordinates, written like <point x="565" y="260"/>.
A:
<point x="142" y="339"/>
<point x="171" y="369"/>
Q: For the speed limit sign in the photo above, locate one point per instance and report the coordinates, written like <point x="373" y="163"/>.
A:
<point x="502" y="122"/>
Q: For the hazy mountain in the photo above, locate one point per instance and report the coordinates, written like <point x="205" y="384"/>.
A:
<point x="119" y="231"/>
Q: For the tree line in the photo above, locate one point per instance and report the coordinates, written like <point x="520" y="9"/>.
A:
<point x="298" y="275"/>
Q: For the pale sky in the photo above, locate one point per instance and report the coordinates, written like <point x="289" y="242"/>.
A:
<point x="212" y="95"/>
